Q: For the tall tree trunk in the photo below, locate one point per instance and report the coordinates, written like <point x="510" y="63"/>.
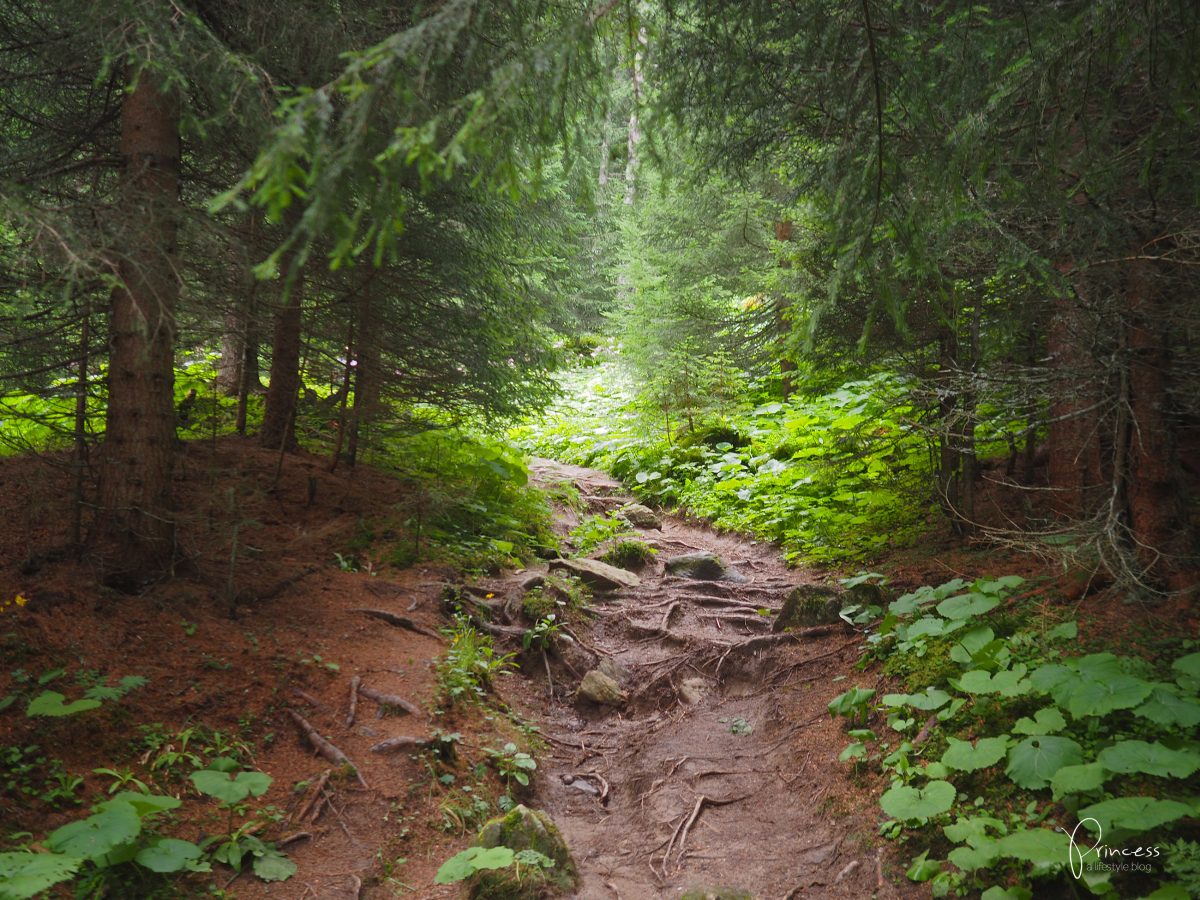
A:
<point x="1152" y="483"/>
<point x="787" y="366"/>
<point x="1074" y="471"/>
<point x="279" y="417"/>
<point x="366" y="377"/>
<point x="635" y="135"/>
<point x="136" y="520"/>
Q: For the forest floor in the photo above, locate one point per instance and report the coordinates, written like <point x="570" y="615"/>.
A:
<point x="721" y="769"/>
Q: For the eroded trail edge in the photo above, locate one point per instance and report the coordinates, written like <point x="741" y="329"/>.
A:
<point x="716" y="766"/>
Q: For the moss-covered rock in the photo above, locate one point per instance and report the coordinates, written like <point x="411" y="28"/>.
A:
<point x="522" y="828"/>
<point x="702" y="566"/>
<point x="808" y="605"/>
<point x="716" y="893"/>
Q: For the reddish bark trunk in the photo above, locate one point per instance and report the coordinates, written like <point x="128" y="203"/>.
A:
<point x="136" y="521"/>
<point x="1152" y="485"/>
<point x="279" y="417"/>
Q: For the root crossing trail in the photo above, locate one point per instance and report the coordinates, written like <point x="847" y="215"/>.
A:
<point x="720" y="770"/>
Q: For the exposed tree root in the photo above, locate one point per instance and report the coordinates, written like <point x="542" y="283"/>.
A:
<point x="402" y="742"/>
<point x="399" y="621"/>
<point x="324" y="747"/>
<point x="390" y="700"/>
<point x="355" y="682"/>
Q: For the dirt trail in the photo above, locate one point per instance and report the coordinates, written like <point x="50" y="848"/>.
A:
<point x="721" y="770"/>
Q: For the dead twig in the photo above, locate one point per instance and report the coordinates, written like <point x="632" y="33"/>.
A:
<point x="324" y="747"/>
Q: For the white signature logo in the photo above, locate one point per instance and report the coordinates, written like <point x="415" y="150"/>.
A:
<point x="1076" y="856"/>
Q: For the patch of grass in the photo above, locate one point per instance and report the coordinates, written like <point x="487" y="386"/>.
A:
<point x="629" y="553"/>
<point x="556" y="594"/>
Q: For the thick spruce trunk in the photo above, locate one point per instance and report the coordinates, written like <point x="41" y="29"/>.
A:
<point x="279" y="417"/>
<point x="136" y="527"/>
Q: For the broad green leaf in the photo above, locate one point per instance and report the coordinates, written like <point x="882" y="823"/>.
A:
<point x="1097" y="665"/>
<point x="973" y="829"/>
<point x="908" y="802"/>
<point x="930" y="626"/>
<point x="995" y="892"/>
<point x="1008" y="683"/>
<point x="1187" y="669"/>
<point x="1042" y="847"/>
<point x="231" y="790"/>
<point x="25" y="875"/>
<point x="168" y="855"/>
<point x="975" y="856"/>
<point x="462" y="866"/>
<point x="856" y="750"/>
<point x="1045" y="721"/>
<point x="932" y="699"/>
<point x="971" y="643"/>
<point x="1064" y="631"/>
<point x="1033" y="762"/>
<point x="987" y="751"/>
<point x="1078" y="779"/>
<point x="1092" y="697"/>
<point x="273" y="866"/>
<point x="1175" y="891"/>
<point x="1149" y="758"/>
<point x="98" y="834"/>
<point x="50" y="703"/>
<point x="1049" y="678"/>
<point x="998" y="585"/>
<point x="922" y="869"/>
<point x="1165" y="707"/>
<point x="966" y="606"/>
<point x="1133" y="813"/>
<point x="143" y="804"/>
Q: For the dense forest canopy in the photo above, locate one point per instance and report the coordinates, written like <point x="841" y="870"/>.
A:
<point x="400" y="215"/>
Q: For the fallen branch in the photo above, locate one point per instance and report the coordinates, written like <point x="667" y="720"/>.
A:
<point x="390" y="700"/>
<point x="324" y="747"/>
<point x="354" y="685"/>
<point x="399" y="621"/>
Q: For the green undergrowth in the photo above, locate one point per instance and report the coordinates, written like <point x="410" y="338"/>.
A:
<point x="468" y="502"/>
<point x="1020" y="763"/>
<point x="832" y="478"/>
<point x="132" y="842"/>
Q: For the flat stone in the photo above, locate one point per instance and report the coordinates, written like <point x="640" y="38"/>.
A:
<point x="599" y="688"/>
<point x="614" y="670"/>
<point x="716" y="893"/>
<point x="702" y="566"/>
<point x="596" y="574"/>
<point x="640" y="516"/>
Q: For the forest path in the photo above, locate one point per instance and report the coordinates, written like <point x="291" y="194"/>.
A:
<point x="721" y="770"/>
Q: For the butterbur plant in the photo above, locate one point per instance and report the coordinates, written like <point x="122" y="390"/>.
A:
<point x="1093" y="752"/>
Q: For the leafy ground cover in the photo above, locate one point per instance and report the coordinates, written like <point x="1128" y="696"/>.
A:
<point x="833" y="477"/>
<point x="1017" y="760"/>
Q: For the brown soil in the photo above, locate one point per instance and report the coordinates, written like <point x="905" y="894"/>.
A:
<point x="743" y="787"/>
